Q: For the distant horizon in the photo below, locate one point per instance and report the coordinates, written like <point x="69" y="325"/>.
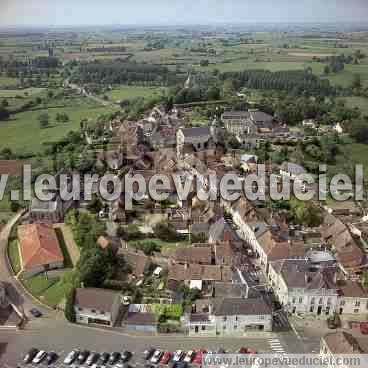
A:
<point x="80" y="13"/>
<point x="172" y="25"/>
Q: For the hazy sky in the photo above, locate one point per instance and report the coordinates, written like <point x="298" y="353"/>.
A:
<point x="130" y="12"/>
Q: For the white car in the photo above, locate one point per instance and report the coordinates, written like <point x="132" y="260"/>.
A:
<point x="178" y="355"/>
<point x="71" y="357"/>
<point x="156" y="356"/>
<point x="189" y="357"/>
<point x="39" y="357"/>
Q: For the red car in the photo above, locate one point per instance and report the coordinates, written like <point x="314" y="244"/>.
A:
<point x="198" y="356"/>
<point x="247" y="351"/>
<point x="166" y="358"/>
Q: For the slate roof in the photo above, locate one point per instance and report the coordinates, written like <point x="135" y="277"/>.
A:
<point x="93" y="298"/>
<point x="239" y="306"/>
<point x="196" y="132"/>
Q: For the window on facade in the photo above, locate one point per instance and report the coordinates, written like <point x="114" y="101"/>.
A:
<point x="80" y="309"/>
<point x="236" y="318"/>
<point x="203" y="328"/>
<point x="311" y="309"/>
<point x="357" y="303"/>
<point x="320" y="300"/>
<point x="300" y="300"/>
<point x="93" y="311"/>
<point x="294" y="300"/>
<point x="356" y="310"/>
<point x="313" y="300"/>
<point x="342" y="302"/>
<point x="329" y="301"/>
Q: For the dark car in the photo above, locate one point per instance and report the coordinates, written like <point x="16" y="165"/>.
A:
<point x="104" y="358"/>
<point x="82" y="357"/>
<point x="51" y="357"/>
<point x="181" y="364"/>
<point x="30" y="355"/>
<point x="93" y="357"/>
<point x="114" y="357"/>
<point x="148" y="353"/>
<point x="35" y="312"/>
<point x="125" y="356"/>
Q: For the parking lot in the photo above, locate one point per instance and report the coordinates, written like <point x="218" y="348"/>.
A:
<point x="52" y="335"/>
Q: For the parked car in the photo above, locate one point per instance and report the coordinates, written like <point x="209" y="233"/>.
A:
<point x="244" y="350"/>
<point x="92" y="358"/>
<point x="40" y="356"/>
<point x="189" y="356"/>
<point x="82" y="357"/>
<point x="35" y="312"/>
<point x="198" y="356"/>
<point x="125" y="356"/>
<point x="104" y="358"/>
<point x="181" y="364"/>
<point x="30" y="355"/>
<point x="114" y="357"/>
<point x="51" y="357"/>
<point x="71" y="357"/>
<point x="156" y="356"/>
<point x="148" y="353"/>
<point x="178" y="356"/>
<point x="166" y="357"/>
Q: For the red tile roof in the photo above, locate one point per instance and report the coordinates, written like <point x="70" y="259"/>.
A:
<point x="38" y="245"/>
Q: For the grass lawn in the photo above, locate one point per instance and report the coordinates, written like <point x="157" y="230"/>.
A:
<point x="38" y="284"/>
<point x="162" y="244"/>
<point x="22" y="133"/>
<point x="13" y="253"/>
<point x="56" y="292"/>
<point x="131" y="92"/>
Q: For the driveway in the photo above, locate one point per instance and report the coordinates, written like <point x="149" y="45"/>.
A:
<point x="15" y="290"/>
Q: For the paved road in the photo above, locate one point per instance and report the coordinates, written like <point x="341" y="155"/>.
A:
<point x="56" y="335"/>
<point x="15" y="290"/>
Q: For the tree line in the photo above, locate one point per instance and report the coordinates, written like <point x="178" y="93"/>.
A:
<point x="117" y="72"/>
<point x="296" y="82"/>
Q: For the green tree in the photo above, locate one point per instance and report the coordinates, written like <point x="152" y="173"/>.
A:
<point x="44" y="120"/>
<point x="69" y="311"/>
<point x="95" y="266"/>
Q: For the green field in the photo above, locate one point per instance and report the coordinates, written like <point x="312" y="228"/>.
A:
<point x="22" y="133"/>
<point x="8" y="93"/>
<point x="273" y="66"/>
<point x="346" y="77"/>
<point x="359" y="102"/>
<point x="7" y="81"/>
<point x="131" y="92"/>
